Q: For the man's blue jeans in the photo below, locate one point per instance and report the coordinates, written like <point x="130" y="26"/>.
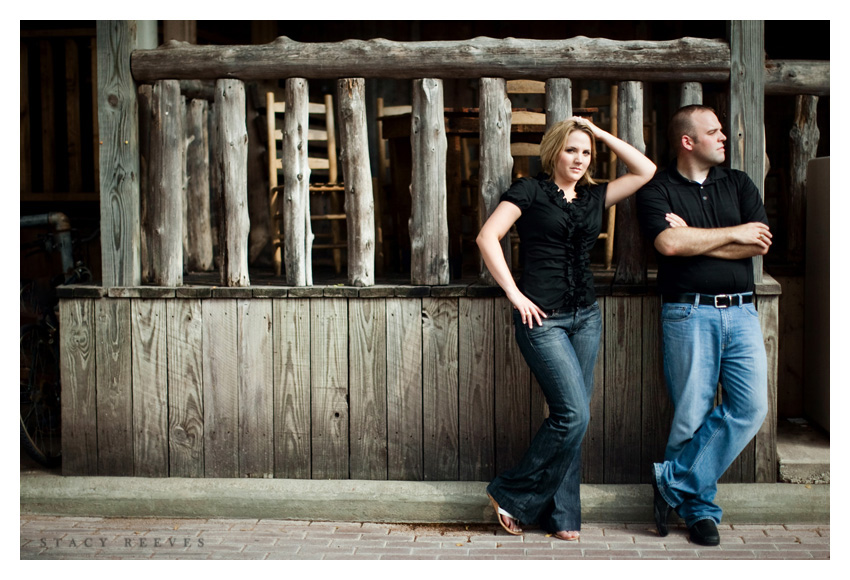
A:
<point x="704" y="345"/>
<point x="544" y="486"/>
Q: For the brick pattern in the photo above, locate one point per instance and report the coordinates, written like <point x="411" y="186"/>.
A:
<point x="72" y="538"/>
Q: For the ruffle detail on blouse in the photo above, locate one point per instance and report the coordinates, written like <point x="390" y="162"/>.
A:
<point x="578" y="276"/>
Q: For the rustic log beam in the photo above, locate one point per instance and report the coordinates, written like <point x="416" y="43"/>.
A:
<point x="631" y="262"/>
<point x="234" y="226"/>
<point x="119" y="154"/>
<point x="200" y="247"/>
<point x="359" y="197"/>
<point x="579" y="57"/>
<point x="804" y="147"/>
<point x="559" y="101"/>
<point x="690" y="94"/>
<point x="164" y="232"/>
<point x="298" y="237"/>
<point x="746" y="107"/>
<point x="796" y="77"/>
<point x="494" y="173"/>
<point x="429" y="236"/>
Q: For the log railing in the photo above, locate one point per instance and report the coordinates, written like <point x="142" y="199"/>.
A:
<point x="689" y="61"/>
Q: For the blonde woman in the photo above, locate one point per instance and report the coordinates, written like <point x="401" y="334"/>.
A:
<point x="556" y="319"/>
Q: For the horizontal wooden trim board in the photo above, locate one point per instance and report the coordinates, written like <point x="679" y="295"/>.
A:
<point x="391" y="388"/>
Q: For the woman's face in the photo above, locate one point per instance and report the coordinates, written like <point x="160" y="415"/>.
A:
<point x="572" y="163"/>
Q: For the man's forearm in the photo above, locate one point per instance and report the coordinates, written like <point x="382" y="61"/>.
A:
<point x="735" y="251"/>
<point x="682" y="240"/>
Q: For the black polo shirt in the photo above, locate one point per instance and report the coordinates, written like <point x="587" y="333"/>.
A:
<point x="555" y="240"/>
<point x="727" y="197"/>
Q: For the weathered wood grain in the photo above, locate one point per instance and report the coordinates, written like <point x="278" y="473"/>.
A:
<point x="796" y="77"/>
<point x="199" y="257"/>
<point x="579" y="58"/>
<point x="256" y="388"/>
<point x="623" y="355"/>
<point x="404" y="389"/>
<point x="690" y="94"/>
<point x="559" y="101"/>
<point x="593" y="446"/>
<point x="114" y="388"/>
<point x="150" y="388"/>
<point x="511" y="392"/>
<point x="656" y="406"/>
<point x="804" y="147"/>
<point x="359" y="198"/>
<point x="628" y="243"/>
<point x="118" y="155"/>
<point x="79" y="387"/>
<point x="429" y="235"/>
<point x="367" y="324"/>
<point x="766" y="466"/>
<point x="292" y="388"/>
<point x="440" y="387"/>
<point x="475" y="389"/>
<point x="221" y="392"/>
<point x="298" y="238"/>
<point x="329" y="387"/>
<point x="234" y="225"/>
<point x="494" y="173"/>
<point x="745" y="145"/>
<point x="185" y="344"/>
<point x="164" y="205"/>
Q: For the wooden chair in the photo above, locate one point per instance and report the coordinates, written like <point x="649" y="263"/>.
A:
<point x="322" y="161"/>
<point x="523" y="151"/>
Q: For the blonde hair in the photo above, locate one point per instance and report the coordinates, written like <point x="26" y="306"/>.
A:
<point x="553" y="144"/>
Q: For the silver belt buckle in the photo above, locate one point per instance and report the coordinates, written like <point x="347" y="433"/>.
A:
<point x="721" y="296"/>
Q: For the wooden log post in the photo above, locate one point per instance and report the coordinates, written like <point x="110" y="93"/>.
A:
<point x="429" y="235"/>
<point x="199" y="255"/>
<point x="804" y="148"/>
<point x="234" y="225"/>
<point x="559" y="101"/>
<point x="359" y="197"/>
<point x="495" y="157"/>
<point x="298" y="237"/>
<point x="746" y="107"/>
<point x="164" y="231"/>
<point x="631" y="263"/>
<point x="117" y="120"/>
<point x="690" y="94"/>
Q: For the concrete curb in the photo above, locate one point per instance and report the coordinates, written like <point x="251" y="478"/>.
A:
<point x="380" y="501"/>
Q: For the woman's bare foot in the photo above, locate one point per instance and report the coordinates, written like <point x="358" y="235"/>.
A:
<point x="567" y="536"/>
<point x="506" y="520"/>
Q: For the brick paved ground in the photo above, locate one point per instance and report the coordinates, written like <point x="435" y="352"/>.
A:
<point x="67" y="538"/>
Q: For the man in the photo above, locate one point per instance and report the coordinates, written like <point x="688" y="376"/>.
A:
<point x="706" y="222"/>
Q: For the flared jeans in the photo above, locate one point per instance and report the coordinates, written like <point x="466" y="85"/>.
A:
<point x="544" y="487"/>
<point x="704" y="345"/>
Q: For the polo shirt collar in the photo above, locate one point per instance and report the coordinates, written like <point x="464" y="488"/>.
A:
<point x="674" y="176"/>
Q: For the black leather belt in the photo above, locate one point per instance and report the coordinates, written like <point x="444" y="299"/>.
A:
<point x="718" y="301"/>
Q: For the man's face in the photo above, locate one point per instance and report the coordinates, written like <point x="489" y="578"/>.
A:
<point x="708" y="138"/>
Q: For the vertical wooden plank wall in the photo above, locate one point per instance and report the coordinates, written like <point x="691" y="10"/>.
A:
<point x="398" y="388"/>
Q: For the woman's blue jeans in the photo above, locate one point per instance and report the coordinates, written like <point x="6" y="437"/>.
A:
<point x="704" y="345"/>
<point x="544" y="486"/>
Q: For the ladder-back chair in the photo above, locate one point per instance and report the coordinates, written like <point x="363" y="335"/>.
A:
<point x="322" y="161"/>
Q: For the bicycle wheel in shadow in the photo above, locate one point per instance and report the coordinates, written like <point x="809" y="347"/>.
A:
<point x="40" y="392"/>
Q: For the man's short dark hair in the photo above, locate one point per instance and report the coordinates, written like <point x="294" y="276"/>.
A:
<point x="681" y="124"/>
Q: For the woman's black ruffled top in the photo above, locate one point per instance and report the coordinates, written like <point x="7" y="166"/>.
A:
<point x="556" y="237"/>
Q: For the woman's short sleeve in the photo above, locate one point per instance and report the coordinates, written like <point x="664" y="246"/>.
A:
<point x="521" y="193"/>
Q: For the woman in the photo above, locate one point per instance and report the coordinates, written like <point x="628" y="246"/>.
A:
<point x="556" y="318"/>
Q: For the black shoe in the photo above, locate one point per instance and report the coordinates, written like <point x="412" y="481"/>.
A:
<point x="705" y="533"/>
<point x="660" y="509"/>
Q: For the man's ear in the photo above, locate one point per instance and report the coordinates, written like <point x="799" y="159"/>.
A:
<point x="687" y="143"/>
